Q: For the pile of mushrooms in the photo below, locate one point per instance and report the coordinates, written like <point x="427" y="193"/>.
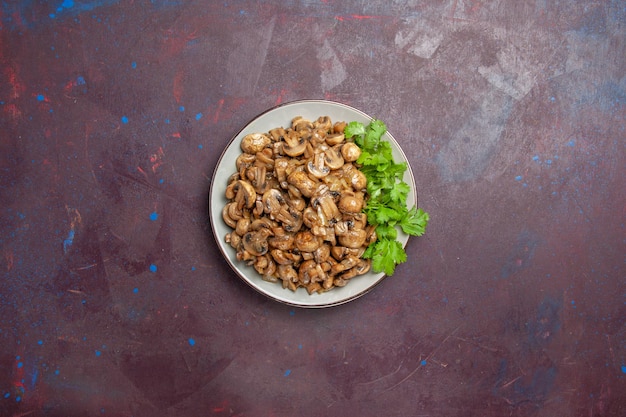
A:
<point x="295" y="206"/>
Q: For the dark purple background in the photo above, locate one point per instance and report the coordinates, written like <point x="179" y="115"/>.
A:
<point x="115" y="301"/>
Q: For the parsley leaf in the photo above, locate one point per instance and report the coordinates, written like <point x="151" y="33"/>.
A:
<point x="415" y="222"/>
<point x="353" y="129"/>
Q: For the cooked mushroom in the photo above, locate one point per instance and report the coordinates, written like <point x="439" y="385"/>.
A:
<point x="324" y="201"/>
<point x="350" y="151"/>
<point x="295" y="144"/>
<point x="333" y="158"/>
<point x="242" y="226"/>
<point x="363" y="266"/>
<point x="296" y="203"/>
<point x="348" y="262"/>
<point x="232" y="223"/>
<point x="264" y="265"/>
<point x="351" y="202"/>
<point x="233" y="239"/>
<point x="278" y="133"/>
<point x="245" y="195"/>
<point x="272" y="202"/>
<point x="339" y="252"/>
<point x="306" y="241"/>
<point x="265" y="158"/>
<point x="295" y="206"/>
<point x="287" y="273"/>
<point x="281" y="239"/>
<point x="317" y="138"/>
<point x="323" y="123"/>
<point x="317" y="166"/>
<point x="258" y="177"/>
<point x="335" y="139"/>
<point x="263" y="223"/>
<point x="327" y="233"/>
<point x="322" y="253"/>
<point x="256" y="243"/>
<point x="244" y="161"/>
<point x="300" y="123"/>
<point x="291" y="219"/>
<point x="307" y="271"/>
<point x="302" y="182"/>
<point x="353" y="238"/>
<point x="282" y="257"/>
<point x="339" y="127"/>
<point x="234" y="212"/>
<point x="254" y="142"/>
<point x="280" y="169"/>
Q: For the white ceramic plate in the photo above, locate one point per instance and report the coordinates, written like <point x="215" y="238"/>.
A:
<point x="282" y="116"/>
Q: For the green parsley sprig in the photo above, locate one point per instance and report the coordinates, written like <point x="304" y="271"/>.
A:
<point x="386" y="206"/>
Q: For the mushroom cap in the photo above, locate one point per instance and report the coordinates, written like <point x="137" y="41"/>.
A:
<point x="350" y="151"/>
<point x="306" y="241"/>
<point x="255" y="142"/>
<point x="351" y="203"/>
<point x="353" y="238"/>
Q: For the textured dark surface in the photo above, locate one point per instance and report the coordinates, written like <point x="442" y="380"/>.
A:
<point x="114" y="299"/>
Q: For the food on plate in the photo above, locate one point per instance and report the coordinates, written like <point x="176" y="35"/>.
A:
<point x="318" y="203"/>
<point x="295" y="206"/>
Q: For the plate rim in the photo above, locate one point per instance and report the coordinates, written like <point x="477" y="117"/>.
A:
<point x="211" y="210"/>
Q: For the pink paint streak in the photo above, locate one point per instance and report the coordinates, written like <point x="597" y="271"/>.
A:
<point x="177" y="89"/>
<point x="356" y="17"/>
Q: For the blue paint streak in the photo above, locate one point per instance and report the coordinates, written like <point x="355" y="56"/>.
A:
<point x="26" y="18"/>
<point x="67" y="243"/>
<point x="33" y="380"/>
